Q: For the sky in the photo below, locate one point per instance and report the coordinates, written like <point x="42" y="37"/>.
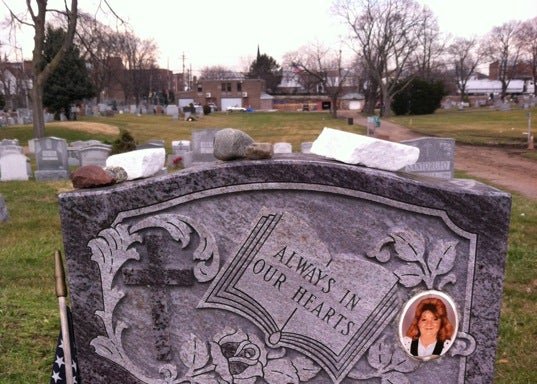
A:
<point x="198" y="34"/>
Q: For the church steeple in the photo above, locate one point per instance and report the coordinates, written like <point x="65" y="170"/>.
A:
<point x="258" y="53"/>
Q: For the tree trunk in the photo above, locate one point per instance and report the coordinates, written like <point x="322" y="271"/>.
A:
<point x="369" y="106"/>
<point x="37" y="109"/>
<point x="334" y="106"/>
<point x="386" y="107"/>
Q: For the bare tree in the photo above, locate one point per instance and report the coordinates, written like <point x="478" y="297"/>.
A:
<point x="385" y="34"/>
<point x="323" y="66"/>
<point x="139" y="58"/>
<point x="217" y="72"/>
<point x="432" y="45"/>
<point x="503" y="48"/>
<point x="465" y="54"/>
<point x="36" y="16"/>
<point x="41" y="71"/>
<point x="98" y="47"/>
<point x="528" y="40"/>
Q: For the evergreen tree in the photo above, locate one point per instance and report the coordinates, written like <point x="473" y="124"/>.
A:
<point x="124" y="143"/>
<point x="70" y="82"/>
<point x="266" y="68"/>
<point x="418" y="97"/>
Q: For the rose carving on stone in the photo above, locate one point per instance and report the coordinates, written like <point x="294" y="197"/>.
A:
<point x="235" y="357"/>
<point x="238" y="357"/>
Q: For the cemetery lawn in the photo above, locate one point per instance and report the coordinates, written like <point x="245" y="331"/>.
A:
<point x="29" y="321"/>
<point x="476" y="126"/>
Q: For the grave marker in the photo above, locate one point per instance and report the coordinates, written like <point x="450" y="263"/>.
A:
<point x="282" y="148"/>
<point x="52" y="158"/>
<point x="436" y="159"/>
<point x="299" y="269"/>
<point x="94" y="154"/>
<point x="14" y="166"/>
<point x="203" y="145"/>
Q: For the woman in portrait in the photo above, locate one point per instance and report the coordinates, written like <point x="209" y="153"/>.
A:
<point x="430" y="332"/>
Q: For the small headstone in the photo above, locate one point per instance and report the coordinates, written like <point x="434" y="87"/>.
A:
<point x="284" y="271"/>
<point x="306" y="147"/>
<point x="203" y="145"/>
<point x="180" y="146"/>
<point x="73" y="155"/>
<point x="352" y="148"/>
<point x="52" y="159"/>
<point x="14" y="166"/>
<point x="181" y="154"/>
<point x="437" y="157"/>
<point x="94" y="154"/>
<point x="172" y="110"/>
<point x="279" y="148"/>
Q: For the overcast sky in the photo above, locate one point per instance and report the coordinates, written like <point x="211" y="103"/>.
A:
<point x="227" y="32"/>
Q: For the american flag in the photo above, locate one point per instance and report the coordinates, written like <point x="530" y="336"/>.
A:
<point x="58" y="367"/>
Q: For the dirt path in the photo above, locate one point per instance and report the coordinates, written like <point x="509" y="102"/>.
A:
<point x="504" y="168"/>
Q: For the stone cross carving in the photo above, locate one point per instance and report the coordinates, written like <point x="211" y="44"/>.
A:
<point x="158" y="278"/>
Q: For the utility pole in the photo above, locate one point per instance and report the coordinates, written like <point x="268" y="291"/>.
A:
<point x="190" y="77"/>
<point x="183" y="73"/>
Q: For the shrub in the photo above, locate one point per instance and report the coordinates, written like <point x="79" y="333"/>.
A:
<point x="124" y="143"/>
<point x="206" y="109"/>
<point x="419" y="97"/>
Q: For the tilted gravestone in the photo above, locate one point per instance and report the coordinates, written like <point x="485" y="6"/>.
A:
<point x="437" y="157"/>
<point x="284" y="271"/>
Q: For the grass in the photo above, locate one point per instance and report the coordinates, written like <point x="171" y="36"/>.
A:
<point x="29" y="322"/>
<point x="475" y="126"/>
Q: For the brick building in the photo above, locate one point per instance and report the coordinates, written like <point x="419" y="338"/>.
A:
<point x="227" y="93"/>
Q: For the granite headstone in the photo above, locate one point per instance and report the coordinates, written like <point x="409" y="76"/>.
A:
<point x="203" y="145"/>
<point x="437" y="157"/>
<point x="94" y="154"/>
<point x="52" y="158"/>
<point x="282" y="271"/>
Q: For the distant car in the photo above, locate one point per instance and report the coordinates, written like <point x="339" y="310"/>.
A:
<point x="236" y="108"/>
<point x="213" y="107"/>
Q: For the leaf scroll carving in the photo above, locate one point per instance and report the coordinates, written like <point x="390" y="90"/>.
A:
<point x="425" y="261"/>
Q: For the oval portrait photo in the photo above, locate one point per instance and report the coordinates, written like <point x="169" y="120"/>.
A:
<point x="428" y="325"/>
